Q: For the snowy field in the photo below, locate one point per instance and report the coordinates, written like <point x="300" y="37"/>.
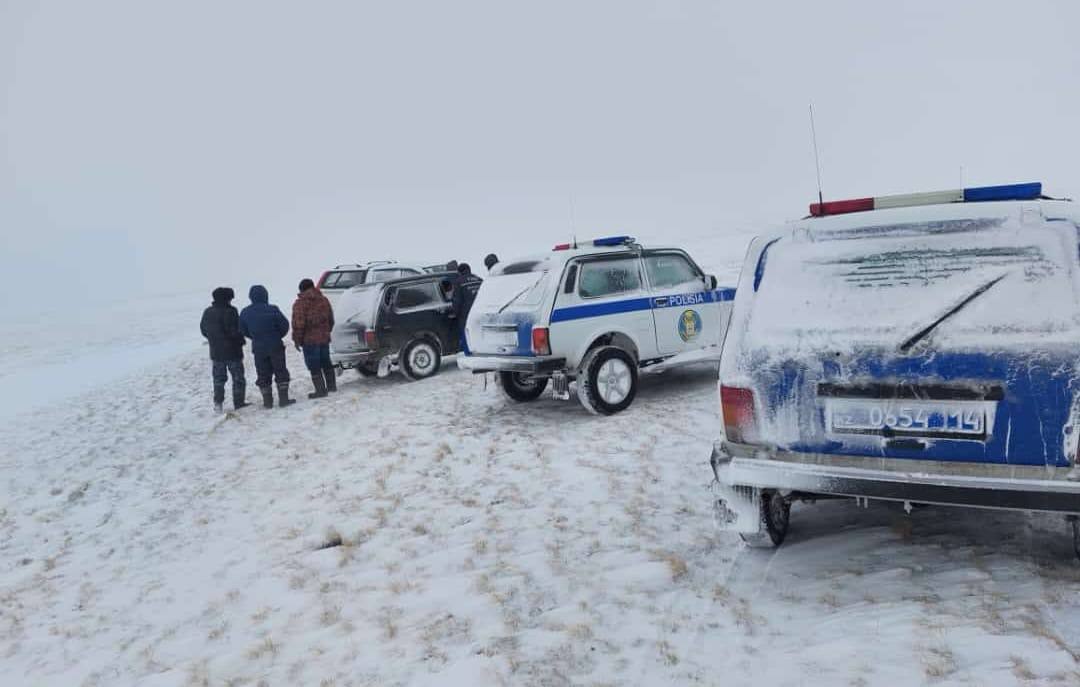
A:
<point x="433" y="534"/>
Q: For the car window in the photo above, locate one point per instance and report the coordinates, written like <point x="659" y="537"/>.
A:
<point x="342" y="279"/>
<point x="600" y="278"/>
<point x="414" y="296"/>
<point x="383" y="275"/>
<point x="669" y="269"/>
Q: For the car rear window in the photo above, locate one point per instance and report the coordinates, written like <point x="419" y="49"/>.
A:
<point x="342" y="279"/>
<point x="995" y="282"/>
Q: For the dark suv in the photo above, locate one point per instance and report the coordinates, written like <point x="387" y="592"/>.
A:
<point x="407" y="323"/>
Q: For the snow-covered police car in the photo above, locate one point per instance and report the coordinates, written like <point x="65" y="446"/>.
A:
<point x="596" y="312"/>
<point x="923" y="349"/>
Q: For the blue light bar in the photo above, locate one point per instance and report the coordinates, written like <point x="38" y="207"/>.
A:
<point x="613" y="241"/>
<point x="978" y="194"/>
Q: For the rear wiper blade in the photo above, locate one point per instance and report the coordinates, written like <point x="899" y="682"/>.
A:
<point x="925" y="331"/>
<point x="521" y="293"/>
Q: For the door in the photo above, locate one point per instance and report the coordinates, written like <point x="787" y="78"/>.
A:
<point x="415" y="308"/>
<point x="687" y="315"/>
<point x="599" y="295"/>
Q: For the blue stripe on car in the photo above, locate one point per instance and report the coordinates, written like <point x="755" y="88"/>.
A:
<point x="579" y="312"/>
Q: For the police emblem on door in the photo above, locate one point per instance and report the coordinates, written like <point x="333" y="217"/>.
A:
<point x="689" y="325"/>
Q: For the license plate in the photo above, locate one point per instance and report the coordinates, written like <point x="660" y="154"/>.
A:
<point x="907" y="417"/>
<point x="502" y="337"/>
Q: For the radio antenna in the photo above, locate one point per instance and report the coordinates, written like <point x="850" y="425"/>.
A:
<point x="573" y="231"/>
<point x="817" y="158"/>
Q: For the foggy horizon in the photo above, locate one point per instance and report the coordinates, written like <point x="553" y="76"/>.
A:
<point x="165" y="149"/>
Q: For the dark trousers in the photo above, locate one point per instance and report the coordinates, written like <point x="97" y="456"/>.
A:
<point x="221" y="370"/>
<point x="317" y="357"/>
<point x="271" y="365"/>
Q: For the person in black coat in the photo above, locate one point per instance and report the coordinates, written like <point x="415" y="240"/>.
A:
<point x="464" y="293"/>
<point x="221" y="327"/>
<point x="265" y="325"/>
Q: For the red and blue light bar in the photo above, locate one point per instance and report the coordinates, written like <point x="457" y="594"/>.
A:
<point x="606" y="241"/>
<point x="976" y="194"/>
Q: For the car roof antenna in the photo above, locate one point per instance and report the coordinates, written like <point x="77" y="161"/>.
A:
<point x="817" y="158"/>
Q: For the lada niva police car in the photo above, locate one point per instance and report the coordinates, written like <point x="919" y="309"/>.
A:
<point x="922" y="349"/>
<point x="596" y="313"/>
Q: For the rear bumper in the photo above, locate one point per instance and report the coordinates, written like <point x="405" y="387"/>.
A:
<point x="741" y="469"/>
<point x="522" y="364"/>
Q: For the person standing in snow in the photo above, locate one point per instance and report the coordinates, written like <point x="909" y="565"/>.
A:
<point x="464" y="293"/>
<point x="266" y="326"/>
<point x="221" y="327"/>
<point x="312" y="322"/>
<point x="490" y="260"/>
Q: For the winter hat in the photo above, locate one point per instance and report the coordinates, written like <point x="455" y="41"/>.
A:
<point x="490" y="260"/>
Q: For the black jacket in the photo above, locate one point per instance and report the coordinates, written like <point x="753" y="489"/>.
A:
<point x="221" y="327"/>
<point x="465" y="288"/>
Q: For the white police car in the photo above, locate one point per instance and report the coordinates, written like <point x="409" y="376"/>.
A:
<point x="596" y="312"/>
<point x="921" y="349"/>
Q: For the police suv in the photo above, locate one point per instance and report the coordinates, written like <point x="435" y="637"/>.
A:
<point x="922" y="349"/>
<point x="596" y="312"/>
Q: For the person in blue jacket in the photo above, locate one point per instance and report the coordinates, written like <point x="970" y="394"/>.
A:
<point x="266" y="326"/>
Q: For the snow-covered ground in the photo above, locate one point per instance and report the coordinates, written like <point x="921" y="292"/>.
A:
<point x="432" y="533"/>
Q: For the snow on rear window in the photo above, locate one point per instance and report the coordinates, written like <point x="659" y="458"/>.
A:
<point x="885" y="284"/>
<point x="516" y="283"/>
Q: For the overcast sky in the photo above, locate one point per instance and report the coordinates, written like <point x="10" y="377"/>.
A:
<point x="159" y="147"/>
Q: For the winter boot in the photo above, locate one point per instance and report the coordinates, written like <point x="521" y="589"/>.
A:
<point x="239" y="401"/>
<point x="219" y="398"/>
<point x="320" y="385"/>
<point x="268" y="396"/>
<point x="330" y="374"/>
<point x="283" y="395"/>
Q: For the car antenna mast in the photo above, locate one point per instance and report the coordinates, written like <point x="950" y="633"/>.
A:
<point x="817" y="158"/>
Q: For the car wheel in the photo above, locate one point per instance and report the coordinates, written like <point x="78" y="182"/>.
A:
<point x="608" y="381"/>
<point x="420" y="359"/>
<point x="774" y="512"/>
<point x="521" y="387"/>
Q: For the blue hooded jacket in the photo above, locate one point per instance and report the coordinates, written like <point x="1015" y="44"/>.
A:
<point x="263" y="323"/>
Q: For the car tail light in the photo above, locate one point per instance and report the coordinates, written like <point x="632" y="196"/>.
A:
<point x="540" y="343"/>
<point x="369" y="338"/>
<point x="737" y="407"/>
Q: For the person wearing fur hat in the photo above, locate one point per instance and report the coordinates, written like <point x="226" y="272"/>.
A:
<point x="221" y="327"/>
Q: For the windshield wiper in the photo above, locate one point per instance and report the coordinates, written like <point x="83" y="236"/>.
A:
<point x="925" y="331"/>
<point x="521" y="293"/>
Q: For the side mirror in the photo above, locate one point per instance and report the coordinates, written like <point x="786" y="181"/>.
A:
<point x="710" y="282"/>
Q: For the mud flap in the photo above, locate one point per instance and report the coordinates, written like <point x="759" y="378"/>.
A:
<point x="560" y="386"/>
<point x="384" y="367"/>
<point x="735" y="508"/>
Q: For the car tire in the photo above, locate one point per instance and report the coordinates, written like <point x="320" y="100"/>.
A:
<point x="608" y="381"/>
<point x="774" y="512"/>
<point x="522" y="388"/>
<point x="420" y="359"/>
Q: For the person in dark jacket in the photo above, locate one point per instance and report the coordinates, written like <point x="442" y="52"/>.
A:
<point x="464" y="294"/>
<point x="312" y="322"/>
<point x="221" y="327"/>
<point x="266" y="326"/>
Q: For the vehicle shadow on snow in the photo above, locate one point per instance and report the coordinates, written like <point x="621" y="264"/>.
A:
<point x="882" y="534"/>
